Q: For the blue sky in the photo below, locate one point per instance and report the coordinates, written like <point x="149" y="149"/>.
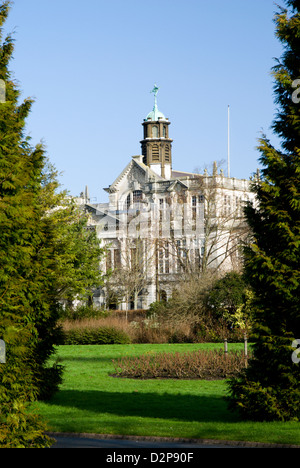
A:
<point x="91" y="66"/>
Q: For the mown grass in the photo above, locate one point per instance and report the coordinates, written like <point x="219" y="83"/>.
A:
<point x="92" y="401"/>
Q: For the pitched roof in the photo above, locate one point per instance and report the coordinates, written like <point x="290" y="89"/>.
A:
<point x="136" y="160"/>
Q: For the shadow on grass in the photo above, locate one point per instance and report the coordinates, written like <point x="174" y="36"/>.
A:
<point x="148" y="405"/>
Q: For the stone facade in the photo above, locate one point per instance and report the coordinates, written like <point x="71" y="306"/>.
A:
<point x="161" y="224"/>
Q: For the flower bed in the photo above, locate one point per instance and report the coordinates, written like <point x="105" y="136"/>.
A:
<point x="200" y="364"/>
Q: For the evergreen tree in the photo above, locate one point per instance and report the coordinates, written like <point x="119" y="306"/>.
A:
<point x="18" y="166"/>
<point x="64" y="267"/>
<point x="47" y="254"/>
<point x="269" y="388"/>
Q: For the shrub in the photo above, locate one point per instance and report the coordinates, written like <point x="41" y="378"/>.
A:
<point x="198" y="364"/>
<point x="180" y="337"/>
<point x="96" y="336"/>
<point x="19" y="428"/>
<point x="229" y="298"/>
<point x="269" y="390"/>
<point x="82" y="312"/>
<point x="153" y="330"/>
<point x="148" y="331"/>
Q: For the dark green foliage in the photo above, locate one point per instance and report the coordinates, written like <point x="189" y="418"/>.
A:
<point x="47" y="255"/>
<point x="25" y="239"/>
<point x="227" y="299"/>
<point x="18" y="387"/>
<point x="95" y="336"/>
<point x="269" y="390"/>
<point x="228" y="291"/>
<point x="83" y="312"/>
<point x="19" y="180"/>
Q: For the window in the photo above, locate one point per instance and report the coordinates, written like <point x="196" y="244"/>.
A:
<point x="137" y="196"/>
<point x="194" y="207"/>
<point x="155" y="131"/>
<point x="128" y="202"/>
<point x="113" y="259"/>
<point x="227" y="205"/>
<point x="163" y="260"/>
<point x="238" y="206"/>
<point x="108" y="260"/>
<point x="117" y="258"/>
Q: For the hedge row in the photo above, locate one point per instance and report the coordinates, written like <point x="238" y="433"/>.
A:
<point x="95" y="336"/>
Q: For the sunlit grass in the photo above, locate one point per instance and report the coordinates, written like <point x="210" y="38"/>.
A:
<point x="91" y="400"/>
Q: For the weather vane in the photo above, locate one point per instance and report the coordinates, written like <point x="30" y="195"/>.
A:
<point x="155" y="91"/>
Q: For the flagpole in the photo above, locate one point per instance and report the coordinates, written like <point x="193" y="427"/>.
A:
<point x="228" y="148"/>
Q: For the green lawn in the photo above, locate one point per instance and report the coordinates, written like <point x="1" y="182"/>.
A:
<point x="92" y="401"/>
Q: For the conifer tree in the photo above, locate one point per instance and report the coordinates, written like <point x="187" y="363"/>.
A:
<point x="18" y="166"/>
<point x="47" y="254"/>
<point x="269" y="388"/>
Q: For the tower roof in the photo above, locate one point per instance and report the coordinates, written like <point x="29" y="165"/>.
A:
<point x="155" y="114"/>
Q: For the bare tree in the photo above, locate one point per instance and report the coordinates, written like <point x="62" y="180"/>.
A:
<point x="194" y="227"/>
<point x="215" y="220"/>
<point x="132" y="271"/>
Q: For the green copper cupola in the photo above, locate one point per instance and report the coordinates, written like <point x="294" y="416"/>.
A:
<point x="156" y="145"/>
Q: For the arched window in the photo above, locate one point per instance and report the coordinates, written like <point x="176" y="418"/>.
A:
<point x="128" y="201"/>
<point x="155" y="131"/>
<point x="163" y="296"/>
<point x="133" y="198"/>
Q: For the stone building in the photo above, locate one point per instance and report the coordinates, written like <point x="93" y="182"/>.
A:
<point x="161" y="224"/>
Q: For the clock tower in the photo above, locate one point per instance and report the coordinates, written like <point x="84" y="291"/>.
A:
<point x="156" y="145"/>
